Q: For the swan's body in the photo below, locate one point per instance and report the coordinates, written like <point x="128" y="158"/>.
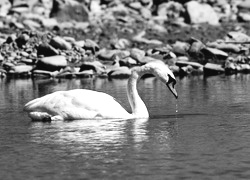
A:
<point x="88" y="104"/>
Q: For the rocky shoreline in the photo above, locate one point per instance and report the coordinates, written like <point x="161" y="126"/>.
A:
<point x="116" y="37"/>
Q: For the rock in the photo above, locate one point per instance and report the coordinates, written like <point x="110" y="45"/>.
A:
<point x="127" y="61"/>
<point x="166" y="50"/>
<point x="2" y="40"/>
<point x="224" y="10"/>
<point x="2" y="25"/>
<point x="1" y="58"/>
<point x="64" y="25"/>
<point x="186" y="70"/>
<point x="195" y="46"/>
<point x="96" y="66"/>
<point x="46" y="50"/>
<point x="213" y="69"/>
<point x="30" y="24"/>
<point x="121" y="44"/>
<point x="201" y="13"/>
<point x="121" y="58"/>
<point x="59" y="43"/>
<point x="140" y="39"/>
<point x="188" y="63"/>
<point x="244" y="4"/>
<point x="91" y="45"/>
<point x="5" y="6"/>
<point x="147" y="59"/>
<point x="69" y="39"/>
<point x="21" y="69"/>
<point x="79" y="43"/>
<point x="19" y="9"/>
<point x="43" y="8"/>
<point x="157" y="28"/>
<point x="52" y="63"/>
<point x="182" y="58"/>
<point x="69" y="10"/>
<point x="26" y="3"/>
<point x="22" y="39"/>
<point x="44" y="73"/>
<point x="95" y="7"/>
<point x="8" y="65"/>
<point x="170" y="10"/>
<point x="219" y="54"/>
<point x="237" y="37"/>
<point x="24" y="54"/>
<point x="137" y="54"/>
<point x="27" y="61"/>
<point x="180" y="48"/>
<point x="135" y="5"/>
<point x="106" y="54"/>
<point x="228" y="47"/>
<point x="49" y="22"/>
<point x="245" y="68"/>
<point x="82" y="26"/>
<point x="230" y="66"/>
<point x="244" y="16"/>
<point x="16" y="25"/>
<point x="175" y="69"/>
<point x="3" y="73"/>
<point x="85" y="74"/>
<point x="65" y="74"/>
<point x="120" y="72"/>
<point x="145" y="13"/>
<point x="194" y="51"/>
<point x="11" y="38"/>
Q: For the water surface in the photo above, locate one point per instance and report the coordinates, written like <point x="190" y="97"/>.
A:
<point x="207" y="139"/>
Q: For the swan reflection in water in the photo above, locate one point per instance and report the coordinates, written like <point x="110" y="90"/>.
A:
<point x="89" y="136"/>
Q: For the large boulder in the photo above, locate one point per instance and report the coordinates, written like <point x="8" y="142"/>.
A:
<point x="52" y="63"/>
<point x="69" y="10"/>
<point x="170" y="10"/>
<point x="4" y="7"/>
<point x="201" y="13"/>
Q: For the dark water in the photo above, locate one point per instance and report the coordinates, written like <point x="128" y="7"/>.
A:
<point x="209" y="137"/>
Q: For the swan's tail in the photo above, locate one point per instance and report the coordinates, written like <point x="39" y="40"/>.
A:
<point x="30" y="106"/>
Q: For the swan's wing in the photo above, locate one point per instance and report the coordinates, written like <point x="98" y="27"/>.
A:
<point x="78" y="104"/>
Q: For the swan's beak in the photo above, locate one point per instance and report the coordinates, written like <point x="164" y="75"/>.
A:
<point x="172" y="89"/>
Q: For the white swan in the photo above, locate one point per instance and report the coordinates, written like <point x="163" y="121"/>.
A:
<point x="88" y="104"/>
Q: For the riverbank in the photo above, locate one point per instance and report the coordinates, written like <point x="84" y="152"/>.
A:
<point x="118" y="37"/>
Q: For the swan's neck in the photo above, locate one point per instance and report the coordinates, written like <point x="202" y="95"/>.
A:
<point x="139" y="109"/>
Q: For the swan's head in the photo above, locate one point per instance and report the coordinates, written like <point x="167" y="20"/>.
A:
<point x="162" y="72"/>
